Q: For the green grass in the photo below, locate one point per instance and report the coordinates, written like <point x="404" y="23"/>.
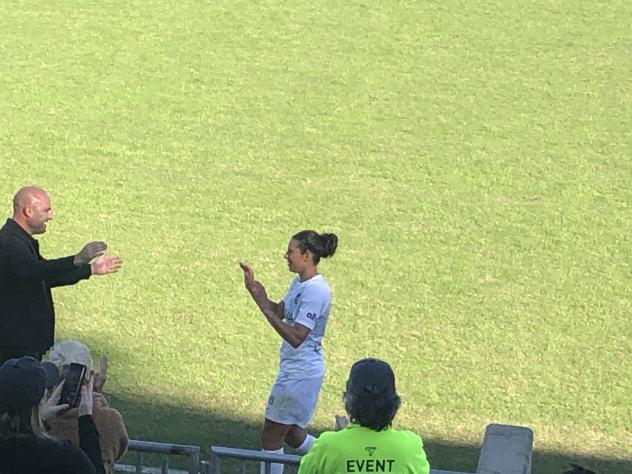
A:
<point x="473" y="157"/>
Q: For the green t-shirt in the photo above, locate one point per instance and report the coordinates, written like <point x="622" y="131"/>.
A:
<point x="360" y="449"/>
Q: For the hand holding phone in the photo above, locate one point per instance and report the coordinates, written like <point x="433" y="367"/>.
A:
<point x="52" y="407"/>
<point x="73" y="380"/>
<point x="85" y="405"/>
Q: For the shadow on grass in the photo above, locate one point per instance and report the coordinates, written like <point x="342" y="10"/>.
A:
<point x="152" y="420"/>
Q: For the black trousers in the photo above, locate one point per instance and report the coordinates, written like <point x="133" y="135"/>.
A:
<point x="7" y="352"/>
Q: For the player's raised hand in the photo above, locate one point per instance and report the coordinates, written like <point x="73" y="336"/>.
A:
<point x="89" y="252"/>
<point x="254" y="287"/>
<point x="106" y="264"/>
<point x="259" y="294"/>
<point x="249" y="276"/>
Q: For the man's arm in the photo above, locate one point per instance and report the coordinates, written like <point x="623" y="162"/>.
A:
<point x="71" y="277"/>
<point x="101" y="266"/>
<point x="20" y="260"/>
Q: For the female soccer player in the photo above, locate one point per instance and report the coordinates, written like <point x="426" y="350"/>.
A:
<point x="300" y="319"/>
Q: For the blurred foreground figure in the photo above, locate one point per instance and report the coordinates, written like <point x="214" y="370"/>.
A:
<point x="112" y="432"/>
<point x="25" y="447"/>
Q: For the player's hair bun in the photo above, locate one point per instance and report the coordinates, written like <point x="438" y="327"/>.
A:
<point x="330" y="243"/>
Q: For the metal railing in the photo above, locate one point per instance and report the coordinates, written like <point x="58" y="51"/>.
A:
<point x="505" y="449"/>
<point x="165" y="450"/>
<point x="247" y="455"/>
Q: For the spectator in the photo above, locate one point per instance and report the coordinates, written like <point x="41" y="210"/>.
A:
<point x="25" y="447"/>
<point x="112" y="431"/>
<point x="368" y="443"/>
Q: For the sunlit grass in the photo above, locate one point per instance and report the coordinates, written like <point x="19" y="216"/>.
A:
<point x="474" y="159"/>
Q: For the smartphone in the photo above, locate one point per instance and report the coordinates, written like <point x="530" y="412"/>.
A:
<point x="73" y="379"/>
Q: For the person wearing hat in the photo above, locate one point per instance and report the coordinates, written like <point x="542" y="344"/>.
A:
<point x="368" y="443"/>
<point x="25" y="447"/>
<point x="113" y="435"/>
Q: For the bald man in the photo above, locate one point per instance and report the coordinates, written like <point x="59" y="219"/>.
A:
<point x="27" y="315"/>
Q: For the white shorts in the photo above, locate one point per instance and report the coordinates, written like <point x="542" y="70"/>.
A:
<point x="293" y="402"/>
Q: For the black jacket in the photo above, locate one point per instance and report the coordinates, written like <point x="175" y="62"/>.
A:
<point x="27" y="316"/>
<point x="33" y="455"/>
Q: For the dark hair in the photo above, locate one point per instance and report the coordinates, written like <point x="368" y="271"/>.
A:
<point x="321" y="245"/>
<point x="372" y="412"/>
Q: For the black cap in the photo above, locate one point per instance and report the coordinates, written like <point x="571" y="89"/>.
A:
<point x="372" y="378"/>
<point x="23" y="382"/>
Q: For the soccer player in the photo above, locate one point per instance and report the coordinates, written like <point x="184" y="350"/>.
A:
<point x="300" y="319"/>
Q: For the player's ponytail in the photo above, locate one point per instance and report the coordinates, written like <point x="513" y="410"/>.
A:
<point x="330" y="243"/>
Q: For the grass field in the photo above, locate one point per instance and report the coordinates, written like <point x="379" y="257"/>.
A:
<point x="473" y="157"/>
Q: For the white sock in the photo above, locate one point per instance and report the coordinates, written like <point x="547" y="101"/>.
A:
<point x="274" y="467"/>
<point x="305" y="445"/>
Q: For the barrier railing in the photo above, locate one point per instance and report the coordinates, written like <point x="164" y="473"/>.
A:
<point x="165" y="450"/>
<point x="505" y="449"/>
<point x="248" y="455"/>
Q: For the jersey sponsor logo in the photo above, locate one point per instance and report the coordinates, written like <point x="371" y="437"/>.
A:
<point x="370" y="465"/>
<point x="312" y="316"/>
<point x="296" y="298"/>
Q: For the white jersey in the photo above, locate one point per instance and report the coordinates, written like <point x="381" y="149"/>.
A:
<point x="306" y="303"/>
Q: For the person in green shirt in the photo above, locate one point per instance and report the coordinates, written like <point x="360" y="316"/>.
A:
<point x="368" y="443"/>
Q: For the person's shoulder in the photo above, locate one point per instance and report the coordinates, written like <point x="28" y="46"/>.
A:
<point x="330" y="436"/>
<point x="6" y="232"/>
<point x="49" y="447"/>
<point x="99" y="400"/>
<point x="107" y="415"/>
<point x="13" y="233"/>
<point x="71" y="458"/>
<point x="406" y="436"/>
<point x="339" y="438"/>
<point x="295" y="282"/>
<point x="317" y="284"/>
<point x="10" y="227"/>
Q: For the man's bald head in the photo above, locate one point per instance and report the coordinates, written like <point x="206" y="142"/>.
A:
<point x="26" y="195"/>
<point x="32" y="209"/>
